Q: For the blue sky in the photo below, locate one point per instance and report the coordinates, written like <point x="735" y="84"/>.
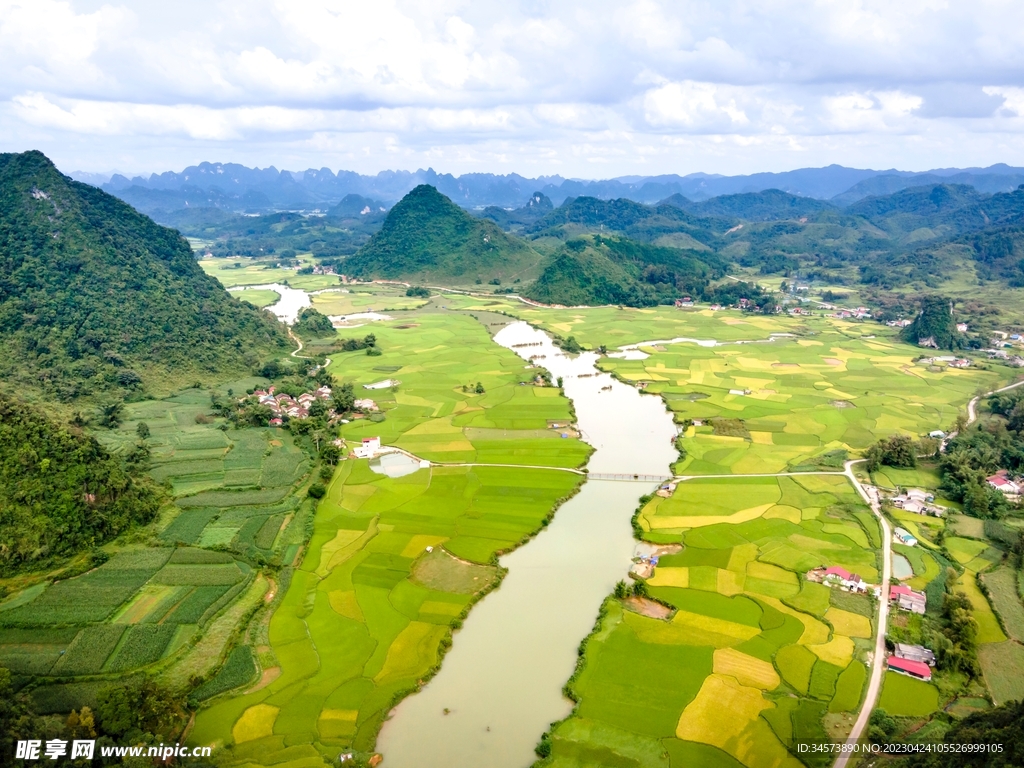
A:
<point x="589" y="89"/>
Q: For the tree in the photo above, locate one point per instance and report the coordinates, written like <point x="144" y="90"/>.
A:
<point x="132" y="708"/>
<point x="110" y="414"/>
<point x="17" y="720"/>
<point x="621" y="590"/>
<point x="317" y="490"/>
<point x="479" y="389"/>
<point x="895" y="451"/>
<point x="331" y="453"/>
<point x="344" y="398"/>
<point x="142" y="430"/>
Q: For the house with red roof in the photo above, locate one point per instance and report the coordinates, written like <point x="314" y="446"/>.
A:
<point x="916" y="669"/>
<point x="1001" y="482"/>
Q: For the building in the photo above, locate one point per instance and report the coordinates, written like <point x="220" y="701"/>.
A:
<point x="1001" y="482"/>
<point x="386" y="384"/>
<point x="914" y="653"/>
<point x="910" y="668"/>
<point x="369" y="448"/>
<point x="837" y="576"/>
<point x="938" y="433"/>
<point x="903" y="536"/>
<point x="907" y="599"/>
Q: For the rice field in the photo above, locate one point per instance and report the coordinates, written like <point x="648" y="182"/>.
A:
<point x="749" y="635"/>
<point x="798" y="400"/>
<point x="394" y="564"/>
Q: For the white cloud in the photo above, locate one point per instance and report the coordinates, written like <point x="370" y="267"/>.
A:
<point x="554" y="86"/>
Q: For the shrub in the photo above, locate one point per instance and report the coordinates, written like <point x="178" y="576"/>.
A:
<point x="317" y="490"/>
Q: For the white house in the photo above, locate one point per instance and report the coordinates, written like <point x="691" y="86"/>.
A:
<point x="381" y="384"/>
<point x="1002" y="483"/>
<point x="903" y="536"/>
<point x="369" y="448"/>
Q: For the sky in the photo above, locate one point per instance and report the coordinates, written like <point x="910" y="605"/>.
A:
<point x="588" y="89"/>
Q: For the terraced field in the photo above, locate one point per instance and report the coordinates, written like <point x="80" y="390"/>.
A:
<point x="140" y="607"/>
<point x="394" y="564"/>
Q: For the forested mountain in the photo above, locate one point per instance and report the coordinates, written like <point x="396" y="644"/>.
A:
<point x="611" y="270"/>
<point x="427" y="236"/>
<point x="95" y="296"/>
<point x="769" y="205"/>
<point x="634" y="220"/>
<point x="536" y="208"/>
<point x="339" y="233"/>
<point x="60" y="491"/>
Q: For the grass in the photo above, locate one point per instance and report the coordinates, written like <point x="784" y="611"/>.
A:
<point x="1002" y="591"/>
<point x="906" y="697"/>
<point x="259" y="297"/>
<point x="1003" y="667"/>
<point x="790" y="413"/>
<point x="989" y="630"/>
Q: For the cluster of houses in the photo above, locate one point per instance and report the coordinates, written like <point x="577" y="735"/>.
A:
<point x="285" y="405"/>
<point x="917" y="501"/>
<point x="912" y="660"/>
<point x="906" y="599"/>
<point x="1001" y="482"/>
<point x="950" y="360"/>
<point x="1001" y="354"/>
<point x="860" y="313"/>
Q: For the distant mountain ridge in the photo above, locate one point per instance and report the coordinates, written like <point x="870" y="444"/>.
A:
<point x="237" y="187"/>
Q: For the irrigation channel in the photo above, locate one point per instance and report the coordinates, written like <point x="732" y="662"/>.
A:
<point x="501" y="684"/>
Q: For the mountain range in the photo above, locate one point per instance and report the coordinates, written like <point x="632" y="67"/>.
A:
<point x="237" y="188"/>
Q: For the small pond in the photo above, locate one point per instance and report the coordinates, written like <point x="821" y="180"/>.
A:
<point x="394" y="465"/>
<point x="901" y="567"/>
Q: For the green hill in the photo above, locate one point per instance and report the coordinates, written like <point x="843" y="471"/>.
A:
<point x="610" y="270"/>
<point x="934" y="326"/>
<point x="427" y="237"/>
<point x="60" y="491"/>
<point x="95" y="297"/>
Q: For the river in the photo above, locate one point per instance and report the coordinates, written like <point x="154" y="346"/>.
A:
<point x="502" y="680"/>
<point x="288" y="306"/>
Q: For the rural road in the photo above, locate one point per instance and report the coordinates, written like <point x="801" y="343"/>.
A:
<point x="878" y="660"/>
<point x="972" y="414"/>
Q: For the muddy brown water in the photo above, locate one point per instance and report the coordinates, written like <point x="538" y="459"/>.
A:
<point x="501" y="683"/>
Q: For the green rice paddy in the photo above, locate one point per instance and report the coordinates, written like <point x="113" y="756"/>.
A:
<point x="394" y="564"/>
<point x="798" y="400"/>
<point x="789" y="405"/>
<point x="259" y="297"/>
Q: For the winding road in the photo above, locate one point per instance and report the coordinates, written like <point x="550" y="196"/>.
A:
<point x="870" y="497"/>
